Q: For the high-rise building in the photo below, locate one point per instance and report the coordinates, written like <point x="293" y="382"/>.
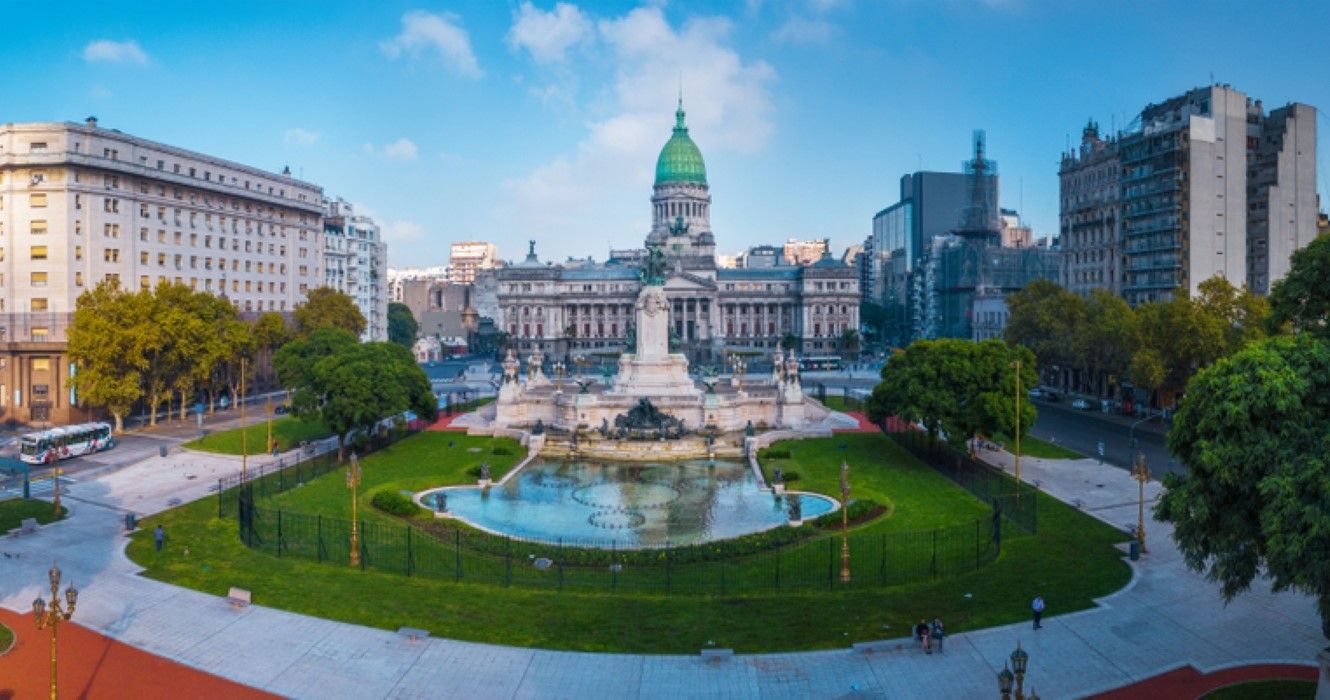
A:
<point x="1208" y="185"/>
<point x="797" y="252"/>
<point x="467" y="257"/>
<point x="355" y="262"/>
<point x="1282" y="202"/>
<point x="80" y="204"/>
<point x="1091" y="234"/>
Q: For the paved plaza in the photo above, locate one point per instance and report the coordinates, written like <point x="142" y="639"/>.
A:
<point x="1166" y="618"/>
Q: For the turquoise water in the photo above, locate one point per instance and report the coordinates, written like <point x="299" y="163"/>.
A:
<point x="627" y="505"/>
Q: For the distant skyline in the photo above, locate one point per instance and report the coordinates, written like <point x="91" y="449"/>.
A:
<point x="509" y="121"/>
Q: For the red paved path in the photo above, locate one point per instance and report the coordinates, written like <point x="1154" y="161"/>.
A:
<point x="864" y="425"/>
<point x="1187" y="682"/>
<point x="92" y="666"/>
<point x="445" y="423"/>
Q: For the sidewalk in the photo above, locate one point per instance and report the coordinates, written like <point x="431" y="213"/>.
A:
<point x="1166" y="618"/>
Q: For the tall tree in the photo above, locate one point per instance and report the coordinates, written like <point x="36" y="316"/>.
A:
<point x="1103" y="343"/>
<point x="1240" y="315"/>
<point x="106" y="339"/>
<point x="1044" y="317"/>
<point x="958" y="388"/>
<point x="1254" y="433"/>
<point x="1301" y="300"/>
<point x="326" y="307"/>
<point x="402" y="326"/>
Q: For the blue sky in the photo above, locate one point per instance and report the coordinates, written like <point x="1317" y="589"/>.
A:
<point x="507" y="121"/>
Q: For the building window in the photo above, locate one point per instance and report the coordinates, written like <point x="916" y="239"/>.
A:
<point x="39" y="305"/>
<point x="37" y="228"/>
<point x="37" y="252"/>
<point x="78" y="279"/>
<point x="37" y="200"/>
<point x="38" y="279"/>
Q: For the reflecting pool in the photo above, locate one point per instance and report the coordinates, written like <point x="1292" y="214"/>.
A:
<point x="601" y="504"/>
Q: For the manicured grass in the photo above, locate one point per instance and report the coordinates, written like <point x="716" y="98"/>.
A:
<point x="6" y="638"/>
<point x="287" y="431"/>
<point x="1069" y="562"/>
<point x="1035" y="447"/>
<point x="14" y="511"/>
<point x="1265" y="690"/>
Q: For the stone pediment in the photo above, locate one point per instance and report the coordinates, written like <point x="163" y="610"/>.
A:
<point x="686" y="281"/>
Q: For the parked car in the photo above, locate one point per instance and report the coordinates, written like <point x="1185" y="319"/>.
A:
<point x="282" y="409"/>
<point x="1036" y="393"/>
<point x="1081" y="405"/>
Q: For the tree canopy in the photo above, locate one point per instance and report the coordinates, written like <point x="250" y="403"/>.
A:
<point x="326" y="307"/>
<point x="1254" y="433"/>
<point x="958" y="388"/>
<point x="402" y="326"/>
<point x="351" y="386"/>
<point x="1301" y="299"/>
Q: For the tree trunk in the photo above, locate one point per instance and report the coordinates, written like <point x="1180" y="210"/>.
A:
<point x="341" y="446"/>
<point x="119" y="422"/>
<point x="153" y="403"/>
<point x="183" y="416"/>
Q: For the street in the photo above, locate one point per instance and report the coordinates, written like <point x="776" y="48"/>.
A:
<point x="1082" y="430"/>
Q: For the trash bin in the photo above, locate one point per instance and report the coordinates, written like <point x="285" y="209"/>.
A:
<point x="161" y="450"/>
<point x="131" y="522"/>
<point x="1134" y="550"/>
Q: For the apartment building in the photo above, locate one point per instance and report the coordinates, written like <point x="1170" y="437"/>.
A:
<point x="81" y="204"/>
<point x="355" y="262"/>
<point x="468" y="257"/>
<point x="1091" y="232"/>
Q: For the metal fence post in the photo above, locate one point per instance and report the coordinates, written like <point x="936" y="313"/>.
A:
<point x="614" y="570"/>
<point x="279" y="534"/>
<point x="457" y="553"/>
<point x="318" y="531"/>
<point x="410" y="556"/>
<point x="508" y="560"/>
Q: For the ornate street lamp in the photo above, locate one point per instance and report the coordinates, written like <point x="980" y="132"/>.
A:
<point x="352" y="483"/>
<point x="1019" y="661"/>
<point x="52" y="615"/>
<point x="845" y="522"/>
<point x="558" y="376"/>
<point x="1141" y="474"/>
<point x="1005" y="679"/>
<point x="1017" y="437"/>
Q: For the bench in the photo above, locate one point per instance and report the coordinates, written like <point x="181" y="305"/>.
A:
<point x="412" y="633"/>
<point x="717" y="655"/>
<point x="238" y="597"/>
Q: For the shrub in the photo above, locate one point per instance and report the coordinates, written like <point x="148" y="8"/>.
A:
<point x="858" y="511"/>
<point x="501" y="451"/>
<point x="772" y="453"/>
<point x="395" y="503"/>
<point x="790" y="476"/>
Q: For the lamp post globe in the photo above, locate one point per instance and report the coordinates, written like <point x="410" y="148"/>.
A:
<point x="1005" y="680"/>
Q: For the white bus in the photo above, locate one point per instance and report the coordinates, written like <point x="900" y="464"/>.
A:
<point x="828" y="363"/>
<point x="47" y="446"/>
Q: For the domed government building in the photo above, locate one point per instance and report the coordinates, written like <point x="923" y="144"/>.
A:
<point x="584" y="308"/>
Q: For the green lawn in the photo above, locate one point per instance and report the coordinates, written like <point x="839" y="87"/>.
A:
<point x="6" y="638"/>
<point x="1069" y="562"/>
<point x="1265" y="690"/>
<point x="1034" y="447"/>
<point x="14" y="511"/>
<point x="287" y="431"/>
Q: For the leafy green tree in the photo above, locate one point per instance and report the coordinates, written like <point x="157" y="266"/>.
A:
<point x="108" y="336"/>
<point x="1254" y="433"/>
<point x="1240" y="314"/>
<point x="402" y="326"/>
<point x="1301" y="300"/>
<point x="848" y="341"/>
<point x="1044" y="317"/>
<point x="326" y="307"/>
<point x="350" y="387"/>
<point x="959" y="388"/>
<point x="1104" y="342"/>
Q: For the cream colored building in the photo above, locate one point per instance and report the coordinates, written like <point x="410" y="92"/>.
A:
<point x="466" y="258"/>
<point x="80" y="204"/>
<point x="355" y="262"/>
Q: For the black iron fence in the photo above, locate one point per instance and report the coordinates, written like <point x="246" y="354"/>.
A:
<point x="445" y="551"/>
<point x="1016" y="502"/>
<point x="276" y="477"/>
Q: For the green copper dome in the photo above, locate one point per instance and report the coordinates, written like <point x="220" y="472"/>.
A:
<point x="680" y="160"/>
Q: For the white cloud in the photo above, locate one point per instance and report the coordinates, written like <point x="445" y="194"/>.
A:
<point x="803" y="31"/>
<point x="107" y="51"/>
<point x="590" y="194"/>
<point x="547" y="36"/>
<point x="402" y="231"/>
<point x="300" y="137"/>
<point x="401" y="149"/>
<point x="442" y="33"/>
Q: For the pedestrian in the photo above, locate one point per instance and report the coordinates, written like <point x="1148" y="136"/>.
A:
<point x="937" y="633"/>
<point x="1038" y="607"/>
<point x="159" y="537"/>
<point x="921" y="634"/>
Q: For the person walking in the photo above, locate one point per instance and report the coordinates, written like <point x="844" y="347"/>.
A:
<point x="921" y="635"/>
<point x="159" y="537"/>
<point x="936" y="633"/>
<point x="1038" y="607"/>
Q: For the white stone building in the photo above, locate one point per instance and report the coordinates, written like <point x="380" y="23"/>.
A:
<point x="80" y="204"/>
<point x="355" y="262"/>
<point x="714" y="311"/>
<point x="466" y="258"/>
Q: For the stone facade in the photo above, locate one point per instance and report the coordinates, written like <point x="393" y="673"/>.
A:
<point x="1091" y="231"/>
<point x="80" y="204"/>
<point x="355" y="262"/>
<point x="587" y="309"/>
